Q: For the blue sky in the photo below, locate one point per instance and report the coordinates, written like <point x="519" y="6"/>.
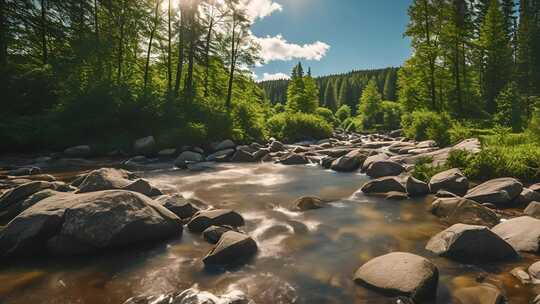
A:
<point x="330" y="36"/>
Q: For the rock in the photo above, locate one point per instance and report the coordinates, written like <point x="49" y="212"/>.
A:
<point x="24" y="171"/>
<point x="470" y="243"/>
<point x="460" y="210"/>
<point x="145" y="145"/>
<point x="522" y="275"/>
<point x="523" y="233"/>
<point x="111" y="179"/>
<point x="222" y="155"/>
<point x="482" y="294"/>
<point x="450" y="180"/>
<point x="396" y="196"/>
<point x="233" y="248"/>
<point x="217" y="217"/>
<point x="326" y="162"/>
<point x="225" y="145"/>
<point x="396" y="133"/>
<point x="416" y="187"/>
<point x="294" y="159"/>
<point x="534" y="272"/>
<point x="383" y="185"/>
<point x="527" y="195"/>
<point x="10" y="201"/>
<point x="535" y="187"/>
<point x="306" y="203"/>
<point x="500" y="192"/>
<point x="242" y="156"/>
<point x="10" y="212"/>
<point x="260" y="154"/>
<point x="400" y="274"/>
<point x="177" y="204"/>
<point x="192" y="296"/>
<point x="187" y="157"/>
<point x="426" y="144"/>
<point x="167" y="153"/>
<point x="78" y="151"/>
<point x="373" y="158"/>
<point x="300" y="149"/>
<point x="384" y="168"/>
<point x="85" y="223"/>
<point x="349" y="162"/>
<point x="445" y="194"/>
<point x="212" y="234"/>
<point x="277" y="146"/>
<point x="533" y="210"/>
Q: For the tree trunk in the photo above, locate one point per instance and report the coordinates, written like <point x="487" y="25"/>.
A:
<point x="169" y="67"/>
<point x="96" y="24"/>
<point x="3" y="35"/>
<point x="458" y="78"/>
<point x="207" y="56"/>
<point x="121" y="43"/>
<point x="188" y="85"/>
<point x="152" y="32"/>
<point x="180" y="64"/>
<point x="232" y="68"/>
<point x="431" y="59"/>
<point x="44" y="51"/>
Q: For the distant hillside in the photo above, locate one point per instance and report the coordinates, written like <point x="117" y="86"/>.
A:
<point x="339" y="89"/>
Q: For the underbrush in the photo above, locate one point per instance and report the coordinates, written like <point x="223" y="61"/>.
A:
<point x="293" y="127"/>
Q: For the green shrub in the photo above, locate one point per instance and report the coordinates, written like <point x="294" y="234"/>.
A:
<point x="327" y="115"/>
<point x="293" y="127"/>
<point x="191" y="134"/>
<point x="343" y="113"/>
<point x="424" y="170"/>
<point x="423" y="125"/>
<point x="248" y="123"/>
<point x="391" y="115"/>
<point x="459" y="132"/>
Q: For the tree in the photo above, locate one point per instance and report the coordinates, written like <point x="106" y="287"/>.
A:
<point x="345" y="93"/>
<point x="509" y="113"/>
<point x="329" y="97"/>
<point x="497" y="60"/>
<point x="153" y="28"/>
<point x="389" y="90"/>
<point x="370" y="104"/>
<point x="302" y="92"/>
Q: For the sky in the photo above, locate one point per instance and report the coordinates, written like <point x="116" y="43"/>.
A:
<point x="330" y="36"/>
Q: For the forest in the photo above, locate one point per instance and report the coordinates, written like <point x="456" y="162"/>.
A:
<point x="91" y="71"/>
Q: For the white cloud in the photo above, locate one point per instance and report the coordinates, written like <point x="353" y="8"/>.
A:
<point x="258" y="9"/>
<point x="276" y="76"/>
<point x="278" y="48"/>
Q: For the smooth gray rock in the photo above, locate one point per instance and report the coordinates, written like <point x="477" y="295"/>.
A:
<point x="523" y="233"/>
<point x="471" y="243"/>
<point x="416" y="187"/>
<point x="461" y="210"/>
<point x="450" y="180"/>
<point x="111" y="179"/>
<point x="526" y="196"/>
<point x="225" y="145"/>
<point x="242" y="156"/>
<point x="187" y="157"/>
<point x="384" y="168"/>
<point x="276" y="146"/>
<point x="349" y="162"/>
<point x="373" y="158"/>
<point x="145" y="145"/>
<point x="400" y="274"/>
<point x="221" y="155"/>
<point x="500" y="192"/>
<point x="482" y="294"/>
<point x="533" y="210"/>
<point x="217" y="217"/>
<point x="212" y="234"/>
<point x="383" y="185"/>
<point x="177" y="204"/>
<point x="233" y="248"/>
<point x="71" y="224"/>
<point x="294" y="159"/>
<point x="306" y="203"/>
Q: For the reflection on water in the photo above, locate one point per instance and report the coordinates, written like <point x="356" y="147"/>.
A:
<point x="304" y="257"/>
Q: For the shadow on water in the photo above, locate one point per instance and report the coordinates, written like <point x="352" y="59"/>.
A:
<point x="305" y="257"/>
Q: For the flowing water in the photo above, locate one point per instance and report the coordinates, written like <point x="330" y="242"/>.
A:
<point x="305" y="257"/>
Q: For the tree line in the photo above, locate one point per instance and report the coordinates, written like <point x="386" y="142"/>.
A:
<point x="81" y="70"/>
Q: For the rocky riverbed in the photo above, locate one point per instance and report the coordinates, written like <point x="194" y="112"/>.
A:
<point x="333" y="221"/>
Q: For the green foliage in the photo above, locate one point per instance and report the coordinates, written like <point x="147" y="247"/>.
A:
<point x="424" y="170"/>
<point x="292" y="127"/>
<point x="302" y="93"/>
<point x="248" y="121"/>
<point x="533" y="130"/>
<point x="423" y="125"/>
<point x="327" y="115"/>
<point x="370" y="104"/>
<point x="191" y="134"/>
<point x="391" y="115"/>
<point x="343" y="113"/>
<point x="509" y="108"/>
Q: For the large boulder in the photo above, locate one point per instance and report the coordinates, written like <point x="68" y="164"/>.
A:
<point x="471" y="243"/>
<point x="233" y="248"/>
<point x="416" y="187"/>
<point x="222" y="155"/>
<point x="501" y="192"/>
<point x="383" y="168"/>
<point x="9" y="212"/>
<point x="187" y="157"/>
<point x="212" y="234"/>
<point x="294" y="159"/>
<point x="85" y="223"/>
<point x="373" y="158"/>
<point x="145" y="145"/>
<point x="450" y="180"/>
<point x="349" y="162"/>
<point x="383" y="185"/>
<point x="225" y="145"/>
<point x="461" y="210"/>
<point x="523" y="233"/>
<point x="111" y="179"/>
<point x="242" y="156"/>
<point x="526" y="196"/>
<point x="78" y="151"/>
<point x="306" y="203"/>
<point x="400" y="274"/>
<point x="216" y="217"/>
<point x="277" y="146"/>
<point x="482" y="294"/>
